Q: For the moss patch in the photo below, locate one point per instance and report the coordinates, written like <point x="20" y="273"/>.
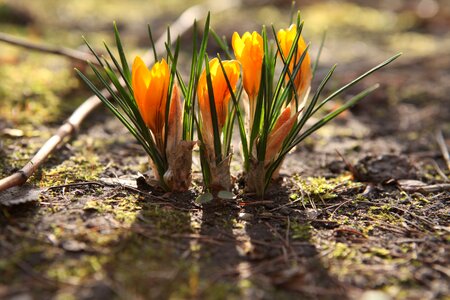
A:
<point x="76" y="168"/>
<point x="301" y="231"/>
<point x="320" y="188"/>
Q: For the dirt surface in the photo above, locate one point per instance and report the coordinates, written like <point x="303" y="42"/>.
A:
<point x="361" y="211"/>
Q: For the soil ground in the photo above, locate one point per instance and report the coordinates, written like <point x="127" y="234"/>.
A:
<point x="347" y="220"/>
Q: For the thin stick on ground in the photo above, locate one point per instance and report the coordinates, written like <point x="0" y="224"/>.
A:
<point x="70" y="127"/>
<point x="443" y="146"/>
<point x="65" y="131"/>
<point x="41" y="47"/>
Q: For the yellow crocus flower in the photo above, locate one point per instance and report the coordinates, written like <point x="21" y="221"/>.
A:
<point x="249" y="51"/>
<point x="150" y="88"/>
<point x="220" y="90"/>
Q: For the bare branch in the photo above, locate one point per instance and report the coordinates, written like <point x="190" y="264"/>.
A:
<point x="67" y="52"/>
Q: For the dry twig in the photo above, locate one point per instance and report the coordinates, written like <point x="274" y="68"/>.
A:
<point x="443" y="147"/>
<point x="67" y="52"/>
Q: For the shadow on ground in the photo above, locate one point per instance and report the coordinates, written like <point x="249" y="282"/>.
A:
<point x="173" y="249"/>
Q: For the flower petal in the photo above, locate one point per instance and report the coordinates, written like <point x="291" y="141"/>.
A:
<point x="250" y="52"/>
<point x="276" y="138"/>
<point x="286" y="39"/>
<point x="150" y="92"/>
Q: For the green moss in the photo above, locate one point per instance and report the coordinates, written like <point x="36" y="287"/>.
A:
<point x="81" y="167"/>
<point x="367" y="229"/>
<point x="320" y="188"/>
<point x="77" y="270"/>
<point x="234" y="223"/>
<point x="301" y="231"/>
<point x="19" y="153"/>
<point x="419" y="200"/>
<point x="383" y="213"/>
<point x="94" y="205"/>
<point x="342" y="251"/>
<point x="134" y="258"/>
<point x="381" y="252"/>
<point x="124" y="209"/>
<point x="294" y="196"/>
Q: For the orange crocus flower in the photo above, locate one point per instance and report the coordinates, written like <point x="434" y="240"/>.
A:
<point x="249" y="51"/>
<point x="220" y="91"/>
<point x="286" y="38"/>
<point x="150" y="88"/>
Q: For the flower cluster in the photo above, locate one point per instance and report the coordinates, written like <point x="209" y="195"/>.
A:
<point x="270" y="106"/>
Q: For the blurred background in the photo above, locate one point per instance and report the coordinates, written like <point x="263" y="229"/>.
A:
<point x="39" y="91"/>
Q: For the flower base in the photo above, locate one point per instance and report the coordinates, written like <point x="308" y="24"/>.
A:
<point x="256" y="175"/>
<point x="220" y="175"/>
<point x="177" y="177"/>
<point x="254" y="178"/>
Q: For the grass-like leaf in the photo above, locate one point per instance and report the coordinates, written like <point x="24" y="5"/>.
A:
<point x="213" y="111"/>
<point x="123" y="59"/>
